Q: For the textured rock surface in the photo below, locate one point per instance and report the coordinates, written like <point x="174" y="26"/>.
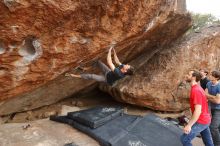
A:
<point x="42" y="39"/>
<point x="42" y="133"/>
<point x="156" y="83"/>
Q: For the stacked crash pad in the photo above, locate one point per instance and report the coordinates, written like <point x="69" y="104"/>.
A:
<point x="111" y="127"/>
<point x="97" y="116"/>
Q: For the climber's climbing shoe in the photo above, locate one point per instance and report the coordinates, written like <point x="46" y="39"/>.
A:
<point x="67" y="74"/>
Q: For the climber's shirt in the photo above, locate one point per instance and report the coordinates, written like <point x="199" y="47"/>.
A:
<point x="115" y="75"/>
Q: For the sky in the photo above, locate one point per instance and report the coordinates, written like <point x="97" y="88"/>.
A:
<point x="204" y="6"/>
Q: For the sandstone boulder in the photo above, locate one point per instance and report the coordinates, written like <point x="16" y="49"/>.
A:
<point x="157" y="82"/>
<point x="41" y="39"/>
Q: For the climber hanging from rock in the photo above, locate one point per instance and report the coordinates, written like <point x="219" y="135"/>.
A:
<point x="111" y="73"/>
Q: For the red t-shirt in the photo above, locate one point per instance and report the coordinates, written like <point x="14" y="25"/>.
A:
<point x="198" y="97"/>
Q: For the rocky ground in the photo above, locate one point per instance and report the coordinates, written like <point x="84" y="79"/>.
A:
<point x="33" y="128"/>
<point x="47" y="133"/>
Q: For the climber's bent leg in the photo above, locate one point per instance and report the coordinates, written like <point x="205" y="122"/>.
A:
<point x="105" y="69"/>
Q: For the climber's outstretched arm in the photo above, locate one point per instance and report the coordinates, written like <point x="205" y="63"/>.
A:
<point x="109" y="59"/>
<point x="116" y="58"/>
<point x="72" y="75"/>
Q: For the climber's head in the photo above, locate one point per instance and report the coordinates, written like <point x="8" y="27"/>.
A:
<point x="127" y="69"/>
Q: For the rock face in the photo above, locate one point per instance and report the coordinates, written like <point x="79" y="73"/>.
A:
<point x="156" y="83"/>
<point x="41" y="39"/>
<point x="42" y="133"/>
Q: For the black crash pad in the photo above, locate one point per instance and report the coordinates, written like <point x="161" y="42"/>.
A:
<point x="151" y="130"/>
<point x="105" y="134"/>
<point x="95" y="117"/>
<point x="131" y="130"/>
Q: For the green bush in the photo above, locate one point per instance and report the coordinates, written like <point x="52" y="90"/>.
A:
<point x="202" y="20"/>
